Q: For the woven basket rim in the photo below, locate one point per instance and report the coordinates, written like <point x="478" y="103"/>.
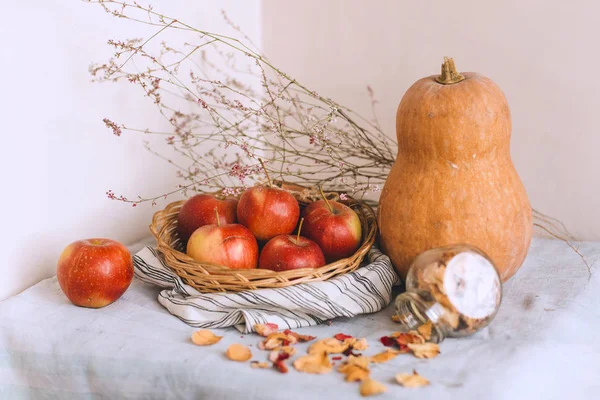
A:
<point x="220" y="278"/>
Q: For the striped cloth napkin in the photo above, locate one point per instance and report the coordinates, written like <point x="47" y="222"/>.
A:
<point x="366" y="290"/>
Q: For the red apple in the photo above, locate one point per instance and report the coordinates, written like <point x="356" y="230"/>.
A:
<point x="199" y="210"/>
<point x="286" y="252"/>
<point x="268" y="211"/>
<point x="231" y="246"/>
<point x="94" y="272"/>
<point x="334" y="226"/>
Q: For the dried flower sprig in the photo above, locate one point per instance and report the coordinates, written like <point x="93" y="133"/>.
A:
<point x="307" y="138"/>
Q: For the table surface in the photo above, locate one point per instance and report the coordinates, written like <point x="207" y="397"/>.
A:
<point x="542" y="345"/>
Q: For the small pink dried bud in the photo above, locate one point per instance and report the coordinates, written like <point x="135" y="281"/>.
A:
<point x="115" y="128"/>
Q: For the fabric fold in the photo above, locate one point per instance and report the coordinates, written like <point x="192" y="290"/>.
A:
<point x="366" y="290"/>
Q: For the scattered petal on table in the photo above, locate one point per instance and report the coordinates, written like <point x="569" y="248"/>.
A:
<point x="329" y="346"/>
<point x="314" y="363"/>
<point x="425" y="350"/>
<point x="342" y="336"/>
<point x="354" y="373"/>
<point x="300" y="338"/>
<point x="361" y="344"/>
<point x="371" y="387"/>
<point x="355" y="368"/>
<point x="413" y="380"/>
<point x="266" y="329"/>
<point x="282" y="353"/>
<point x="238" y="352"/>
<point x="384" y="356"/>
<point x="277" y="340"/>
<point x="205" y="337"/>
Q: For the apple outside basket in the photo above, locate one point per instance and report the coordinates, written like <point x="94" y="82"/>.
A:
<point x="213" y="278"/>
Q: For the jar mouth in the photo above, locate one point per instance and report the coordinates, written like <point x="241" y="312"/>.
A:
<point x="412" y="312"/>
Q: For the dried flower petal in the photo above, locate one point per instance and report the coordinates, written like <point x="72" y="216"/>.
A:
<point x="371" y="387"/>
<point x="276" y="340"/>
<point x="384" y="356"/>
<point x="205" y="337"/>
<point x="300" y="338"/>
<point x="361" y="361"/>
<point x="281" y="366"/>
<point x="395" y="318"/>
<point x="275" y="356"/>
<point x="260" y="364"/>
<point x="388" y="341"/>
<point x="266" y="329"/>
<point x="411" y="380"/>
<point x="282" y="353"/>
<point x="349" y="352"/>
<point x="425" y="330"/>
<point x="425" y="350"/>
<point x="317" y="363"/>
<point x="329" y="346"/>
<point x="238" y="352"/>
<point x="354" y="373"/>
<point x="361" y="344"/>
<point x="341" y="337"/>
<point x="403" y="349"/>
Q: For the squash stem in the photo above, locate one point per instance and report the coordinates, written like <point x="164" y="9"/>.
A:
<point x="449" y="73"/>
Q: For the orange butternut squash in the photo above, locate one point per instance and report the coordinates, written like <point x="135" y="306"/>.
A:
<point x="453" y="180"/>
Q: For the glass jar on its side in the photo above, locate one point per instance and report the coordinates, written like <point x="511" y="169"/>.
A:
<point x="456" y="288"/>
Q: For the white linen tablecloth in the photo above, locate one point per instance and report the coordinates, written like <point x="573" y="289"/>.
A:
<point x="543" y="344"/>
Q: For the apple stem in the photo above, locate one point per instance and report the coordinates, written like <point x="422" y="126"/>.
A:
<point x="299" y="229"/>
<point x="266" y="173"/>
<point x="325" y="198"/>
<point x="218" y="220"/>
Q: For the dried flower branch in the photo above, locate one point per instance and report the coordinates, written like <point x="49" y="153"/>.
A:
<point x="575" y="249"/>
<point x="306" y="138"/>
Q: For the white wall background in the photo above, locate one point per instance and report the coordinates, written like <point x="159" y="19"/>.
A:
<point x="542" y="53"/>
<point x="57" y="158"/>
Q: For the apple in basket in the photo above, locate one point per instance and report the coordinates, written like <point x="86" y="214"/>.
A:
<point x="287" y="252"/>
<point x="94" y="272"/>
<point x="268" y="211"/>
<point x="228" y="245"/>
<point x="199" y="210"/>
<point x="334" y="226"/>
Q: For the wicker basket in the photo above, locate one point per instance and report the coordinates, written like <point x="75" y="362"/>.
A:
<point x="211" y="278"/>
